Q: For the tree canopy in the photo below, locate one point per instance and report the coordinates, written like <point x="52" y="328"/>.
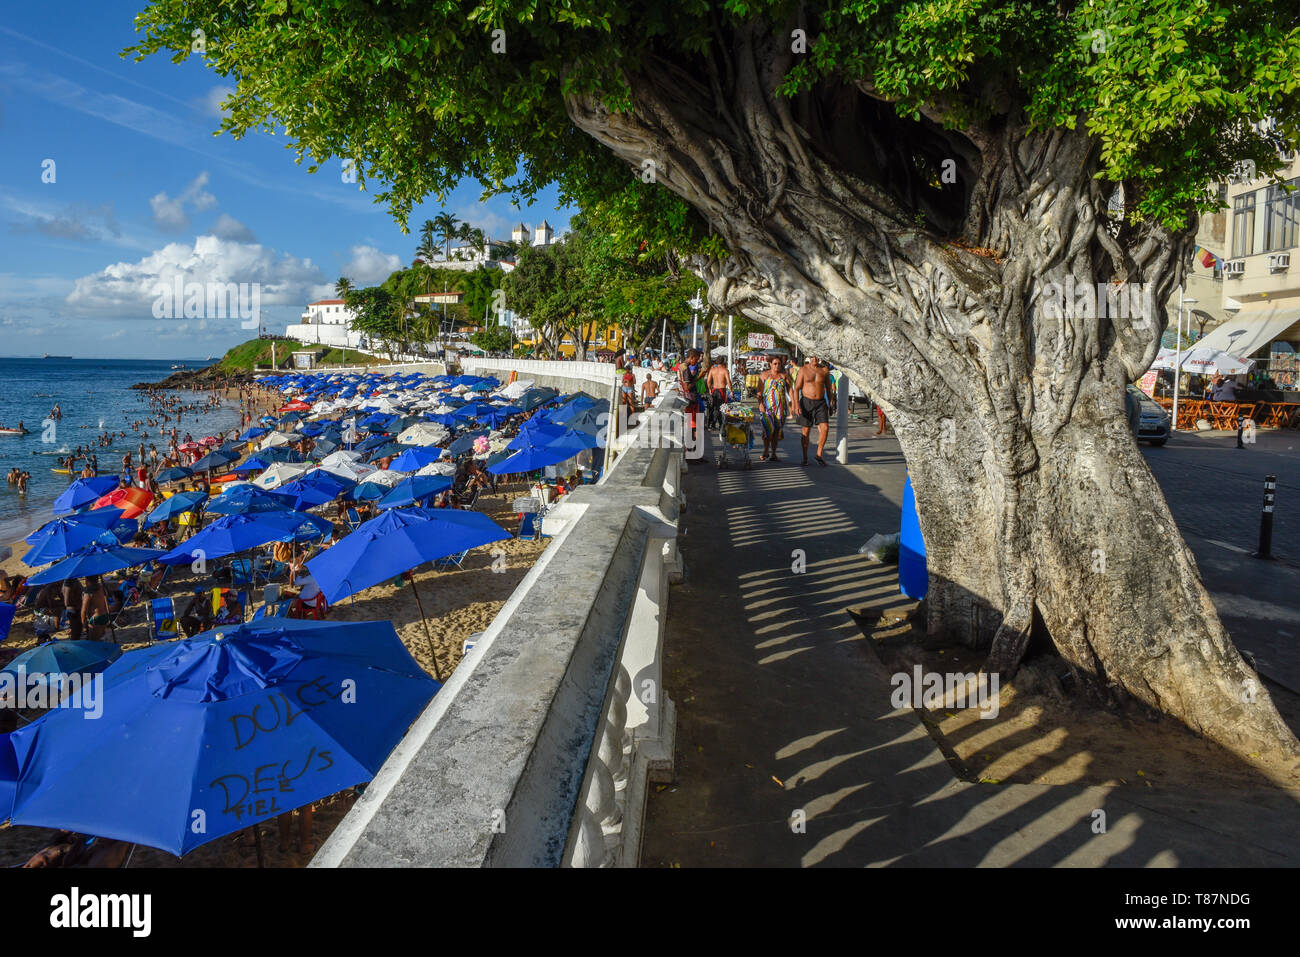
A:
<point x="421" y="95"/>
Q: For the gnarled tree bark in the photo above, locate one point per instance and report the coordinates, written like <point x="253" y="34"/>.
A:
<point x="848" y="238"/>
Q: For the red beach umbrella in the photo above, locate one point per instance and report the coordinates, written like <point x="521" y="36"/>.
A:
<point x="132" y="501"/>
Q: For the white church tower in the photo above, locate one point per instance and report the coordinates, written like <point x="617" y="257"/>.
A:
<point x="544" y="235"/>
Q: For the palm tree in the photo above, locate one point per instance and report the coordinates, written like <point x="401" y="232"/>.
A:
<point x="424" y="257"/>
<point x="343" y="287"/>
<point x="445" y="223"/>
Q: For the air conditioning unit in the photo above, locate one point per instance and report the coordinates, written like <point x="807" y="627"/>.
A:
<point x="1287" y="155"/>
<point x="1234" y="268"/>
<point x="1279" y="262"/>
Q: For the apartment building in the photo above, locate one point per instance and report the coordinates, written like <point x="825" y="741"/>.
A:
<point x="1261" y="283"/>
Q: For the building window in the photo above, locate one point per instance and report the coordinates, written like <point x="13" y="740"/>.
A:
<point x="1243" y="225"/>
<point x="1282" y="217"/>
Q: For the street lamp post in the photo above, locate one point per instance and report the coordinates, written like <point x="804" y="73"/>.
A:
<point x="1178" y="349"/>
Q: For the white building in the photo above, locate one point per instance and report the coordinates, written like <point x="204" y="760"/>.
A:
<point x="327" y="322"/>
<point x="542" y="236"/>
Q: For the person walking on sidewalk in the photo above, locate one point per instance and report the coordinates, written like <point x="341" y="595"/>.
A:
<point x="774" y="389"/>
<point x="810" y="385"/>
<point x="719" y="383"/>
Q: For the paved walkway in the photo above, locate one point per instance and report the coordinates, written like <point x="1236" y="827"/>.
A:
<point x="784" y="714"/>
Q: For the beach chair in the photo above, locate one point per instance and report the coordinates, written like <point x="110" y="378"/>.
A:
<point x="448" y="562"/>
<point x="354" y="520"/>
<point x="153" y="587"/>
<point x="243" y="571"/>
<point x="230" y="609"/>
<point x="278" y="609"/>
<point x="530" y="528"/>
<point x="162" y="620"/>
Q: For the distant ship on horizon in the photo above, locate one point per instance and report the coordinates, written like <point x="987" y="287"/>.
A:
<point x="48" y="356"/>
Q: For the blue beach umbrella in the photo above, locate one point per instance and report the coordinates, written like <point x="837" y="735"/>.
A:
<point x="374" y="442"/>
<point x="64" y="536"/>
<point x="530" y="457"/>
<point x="573" y="441"/>
<point x="174" y="474"/>
<point x="414" y="490"/>
<point x="174" y="505"/>
<point x="84" y="491"/>
<point x="465" y="442"/>
<point x="397" y="541"/>
<point x="238" y="533"/>
<point x="240" y="724"/>
<point x="96" y="559"/>
<point x="256" y="432"/>
<point x="57" y="658"/>
<point x="416" y="457"/>
<point x="215" y="459"/>
<point x="317" y="488"/>
<point x="244" y="499"/>
<point x="383" y="451"/>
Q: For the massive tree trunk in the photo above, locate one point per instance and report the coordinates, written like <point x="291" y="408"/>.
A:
<point x="947" y="270"/>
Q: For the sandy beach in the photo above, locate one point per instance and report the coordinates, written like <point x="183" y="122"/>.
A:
<point x="459" y="603"/>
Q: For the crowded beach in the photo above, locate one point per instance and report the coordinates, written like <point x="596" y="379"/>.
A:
<point x="206" y="653"/>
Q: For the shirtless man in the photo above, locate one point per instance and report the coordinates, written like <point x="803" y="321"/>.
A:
<point x="719" y="384"/>
<point x="649" y="390"/>
<point x="810" y="386"/>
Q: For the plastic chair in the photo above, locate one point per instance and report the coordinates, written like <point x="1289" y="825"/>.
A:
<point x="162" y="619"/>
<point x="316" y="609"/>
<point x="353" y="520"/>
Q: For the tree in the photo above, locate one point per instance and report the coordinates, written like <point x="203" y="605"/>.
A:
<point x="343" y="286"/>
<point x="492" y="338"/>
<point x="378" y="313"/>
<point x="446" y="224"/>
<point x="914" y="189"/>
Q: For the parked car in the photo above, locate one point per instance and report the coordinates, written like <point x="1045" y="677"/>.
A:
<point x="1153" y="421"/>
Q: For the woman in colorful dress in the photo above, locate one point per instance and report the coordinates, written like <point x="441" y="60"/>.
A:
<point x="774" y="388"/>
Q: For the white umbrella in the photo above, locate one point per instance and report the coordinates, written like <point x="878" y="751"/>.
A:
<point x="279" y="473"/>
<point x="1215" y="362"/>
<point x="340" y="457"/>
<point x="356" y="471"/>
<point x="438" y="468"/>
<point x="279" y="438"/>
<point x="424" y="433"/>
<point x="388" y="477"/>
<point x="1165" y="359"/>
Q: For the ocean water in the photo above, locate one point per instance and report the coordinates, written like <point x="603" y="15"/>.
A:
<point x="95" y="395"/>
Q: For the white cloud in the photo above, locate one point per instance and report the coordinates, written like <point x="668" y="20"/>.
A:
<point x="173" y="214"/>
<point x="368" y="266"/>
<point x="210" y="102"/>
<point x="227" y="227"/>
<point x="128" y="290"/>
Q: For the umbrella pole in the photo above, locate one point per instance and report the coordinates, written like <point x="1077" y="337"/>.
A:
<point x="437" y="673"/>
<point x="261" y="853"/>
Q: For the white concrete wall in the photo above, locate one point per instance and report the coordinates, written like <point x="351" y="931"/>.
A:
<point x="539" y="749"/>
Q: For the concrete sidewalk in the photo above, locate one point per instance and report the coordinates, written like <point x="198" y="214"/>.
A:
<point x="784" y="713"/>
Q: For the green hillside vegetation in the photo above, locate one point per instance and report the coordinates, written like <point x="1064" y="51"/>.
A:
<point x="256" y="353"/>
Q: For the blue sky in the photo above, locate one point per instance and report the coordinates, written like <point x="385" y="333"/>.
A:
<point x="142" y="191"/>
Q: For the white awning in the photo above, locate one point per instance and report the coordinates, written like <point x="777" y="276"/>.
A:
<point x="1243" y="336"/>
